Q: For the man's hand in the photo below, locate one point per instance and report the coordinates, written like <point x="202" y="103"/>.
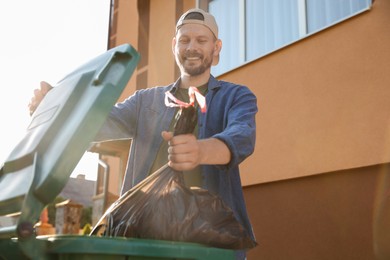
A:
<point x="185" y="152"/>
<point x="39" y="94"/>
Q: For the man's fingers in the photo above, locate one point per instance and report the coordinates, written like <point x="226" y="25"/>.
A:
<point x="38" y="95"/>
<point x="45" y="87"/>
<point x="181" y="166"/>
<point x="166" y="135"/>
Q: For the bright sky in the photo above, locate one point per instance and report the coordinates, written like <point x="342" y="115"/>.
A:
<point x="44" y="40"/>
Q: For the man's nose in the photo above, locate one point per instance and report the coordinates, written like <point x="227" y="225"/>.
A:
<point x="192" y="45"/>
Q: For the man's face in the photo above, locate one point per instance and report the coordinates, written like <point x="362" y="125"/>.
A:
<point x="194" y="48"/>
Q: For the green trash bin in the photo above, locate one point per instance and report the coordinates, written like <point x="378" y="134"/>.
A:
<point x="38" y="168"/>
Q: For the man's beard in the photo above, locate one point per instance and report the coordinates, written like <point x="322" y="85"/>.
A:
<point x="193" y="70"/>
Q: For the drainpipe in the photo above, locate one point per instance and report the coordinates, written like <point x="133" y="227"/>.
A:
<point x="110" y="18"/>
<point x="106" y="175"/>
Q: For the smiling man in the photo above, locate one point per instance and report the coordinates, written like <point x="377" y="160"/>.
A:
<point x="193" y="43"/>
<point x="224" y="136"/>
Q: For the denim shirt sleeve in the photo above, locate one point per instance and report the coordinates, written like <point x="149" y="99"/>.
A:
<point x="141" y="117"/>
<point x="121" y="122"/>
<point x="233" y="109"/>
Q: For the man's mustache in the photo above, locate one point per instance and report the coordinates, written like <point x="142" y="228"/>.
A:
<point x="193" y="55"/>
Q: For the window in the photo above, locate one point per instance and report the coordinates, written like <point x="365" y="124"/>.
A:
<point x="250" y="29"/>
<point x="321" y="14"/>
<point x="229" y="17"/>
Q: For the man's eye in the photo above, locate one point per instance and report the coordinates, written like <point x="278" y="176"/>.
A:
<point x="202" y="40"/>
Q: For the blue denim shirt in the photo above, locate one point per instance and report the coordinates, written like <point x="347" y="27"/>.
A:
<point x="230" y="117"/>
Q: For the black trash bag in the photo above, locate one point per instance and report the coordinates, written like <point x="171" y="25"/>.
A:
<point x="162" y="207"/>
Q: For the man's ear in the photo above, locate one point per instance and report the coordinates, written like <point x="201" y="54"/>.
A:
<point x="218" y="47"/>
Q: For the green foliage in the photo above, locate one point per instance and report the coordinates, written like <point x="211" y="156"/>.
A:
<point x="87" y="229"/>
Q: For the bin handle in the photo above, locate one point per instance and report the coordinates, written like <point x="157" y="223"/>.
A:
<point x="114" y="57"/>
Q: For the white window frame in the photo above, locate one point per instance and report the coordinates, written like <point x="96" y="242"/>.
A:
<point x="302" y="27"/>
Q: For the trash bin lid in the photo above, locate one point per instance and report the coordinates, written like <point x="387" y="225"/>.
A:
<point x="61" y="130"/>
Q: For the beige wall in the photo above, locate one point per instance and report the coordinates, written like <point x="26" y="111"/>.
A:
<point x="324" y="101"/>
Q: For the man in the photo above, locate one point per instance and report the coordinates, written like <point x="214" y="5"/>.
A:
<point x="225" y="134"/>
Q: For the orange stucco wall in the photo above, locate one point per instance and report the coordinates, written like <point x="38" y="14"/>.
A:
<point x="321" y="217"/>
<point x="324" y="101"/>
